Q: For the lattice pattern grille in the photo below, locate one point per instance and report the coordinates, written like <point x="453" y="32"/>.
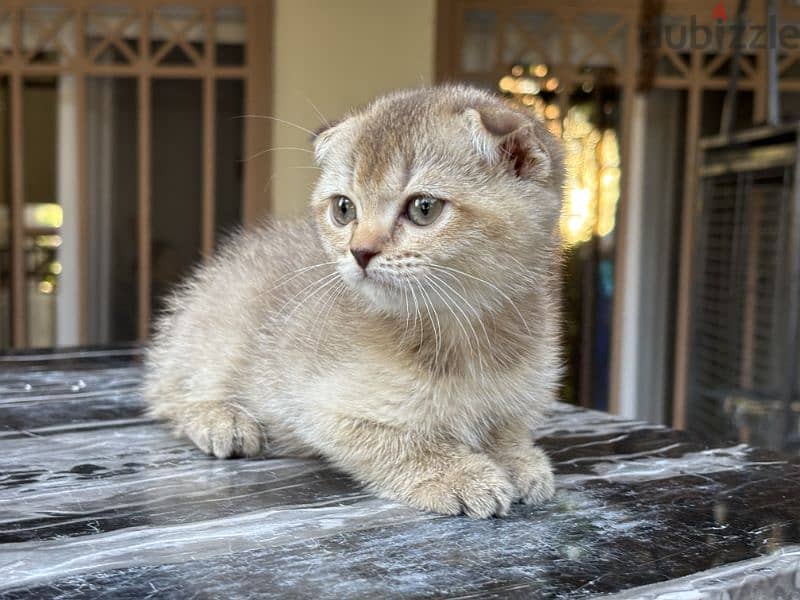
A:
<point x="119" y="34"/>
<point x="78" y="43"/>
<point x="741" y="306"/>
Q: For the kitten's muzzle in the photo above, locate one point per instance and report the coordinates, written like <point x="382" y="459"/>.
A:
<point x="363" y="256"/>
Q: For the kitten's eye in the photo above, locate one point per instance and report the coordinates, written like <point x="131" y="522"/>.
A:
<point x="424" y="210"/>
<point x="343" y="210"/>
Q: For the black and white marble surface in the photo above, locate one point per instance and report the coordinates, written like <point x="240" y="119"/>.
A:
<point x="98" y="501"/>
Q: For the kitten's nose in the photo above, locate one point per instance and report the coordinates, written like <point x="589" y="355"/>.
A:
<point x="363" y="256"/>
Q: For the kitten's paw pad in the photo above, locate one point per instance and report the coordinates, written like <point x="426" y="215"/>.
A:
<point x="532" y="476"/>
<point x="225" y="432"/>
<point x="475" y="487"/>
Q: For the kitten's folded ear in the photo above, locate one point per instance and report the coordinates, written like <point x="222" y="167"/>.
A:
<point x="501" y="134"/>
<point x="322" y="138"/>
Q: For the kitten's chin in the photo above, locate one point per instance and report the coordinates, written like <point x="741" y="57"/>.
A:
<point x="379" y="295"/>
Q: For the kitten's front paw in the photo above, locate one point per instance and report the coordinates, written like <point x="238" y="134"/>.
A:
<point x="223" y="431"/>
<point x="473" y="485"/>
<point x="531" y="474"/>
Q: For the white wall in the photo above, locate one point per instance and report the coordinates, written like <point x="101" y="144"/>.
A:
<point x="337" y="55"/>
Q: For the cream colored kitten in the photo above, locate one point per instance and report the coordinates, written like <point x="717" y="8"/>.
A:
<point x="408" y="332"/>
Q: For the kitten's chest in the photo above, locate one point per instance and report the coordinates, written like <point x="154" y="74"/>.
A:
<point x="462" y="389"/>
<point x="470" y="402"/>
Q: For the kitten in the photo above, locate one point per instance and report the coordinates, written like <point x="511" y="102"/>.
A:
<point x="408" y="331"/>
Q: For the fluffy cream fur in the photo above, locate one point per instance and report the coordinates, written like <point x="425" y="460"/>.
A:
<point x="421" y="376"/>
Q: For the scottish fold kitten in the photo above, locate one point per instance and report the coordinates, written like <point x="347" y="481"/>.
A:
<point x="407" y="331"/>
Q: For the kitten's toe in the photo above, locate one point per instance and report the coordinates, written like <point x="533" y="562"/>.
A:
<point x="475" y="487"/>
<point x="532" y="476"/>
<point x="539" y="488"/>
<point x="225" y="432"/>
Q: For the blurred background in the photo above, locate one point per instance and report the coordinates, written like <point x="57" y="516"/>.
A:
<point x="132" y="139"/>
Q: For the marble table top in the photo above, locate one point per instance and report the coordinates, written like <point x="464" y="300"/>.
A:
<point x="98" y="501"/>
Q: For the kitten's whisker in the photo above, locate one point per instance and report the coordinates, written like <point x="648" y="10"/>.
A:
<point x="310" y="285"/>
<point x="273" y="149"/>
<point x="474" y="352"/>
<point x="339" y="294"/>
<point x="417" y="314"/>
<point x="275" y="174"/>
<point x="521" y="266"/>
<point x="491" y="285"/>
<point x="324" y="297"/>
<point x="408" y="311"/>
<point x="276" y="119"/>
<point x="318" y="111"/>
<point x="332" y="295"/>
<point x="428" y="305"/>
<point x="473" y="309"/>
<point x="448" y="303"/>
<point x="297" y="272"/>
<point x="456" y="280"/>
<point x="315" y="292"/>
<point x="464" y="314"/>
<point x="438" y="324"/>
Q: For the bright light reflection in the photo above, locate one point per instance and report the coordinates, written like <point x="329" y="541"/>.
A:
<point x="592" y="155"/>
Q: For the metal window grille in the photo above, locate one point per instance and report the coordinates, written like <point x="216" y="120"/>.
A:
<point x="744" y="319"/>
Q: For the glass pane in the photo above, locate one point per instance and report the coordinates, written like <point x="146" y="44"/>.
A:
<point x="530" y="39"/>
<point x="668" y="68"/>
<point x="229" y="36"/>
<point x="5" y="36"/>
<point x="112" y="34"/>
<point x="722" y="69"/>
<point x="228" y="157"/>
<point x="790" y="106"/>
<point x="177" y="35"/>
<point x="712" y="109"/>
<point x="176" y="56"/>
<point x="112" y="54"/>
<point x="792" y="71"/>
<point x="176" y="181"/>
<point x="585" y="52"/>
<point x="43" y="215"/>
<point x="48" y="34"/>
<point x="5" y="217"/>
<point x="479" y="50"/>
<point x="113" y="186"/>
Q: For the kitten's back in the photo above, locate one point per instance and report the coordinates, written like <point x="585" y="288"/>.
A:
<point x="201" y="339"/>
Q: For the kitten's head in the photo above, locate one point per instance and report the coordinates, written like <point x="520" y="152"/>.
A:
<point x="445" y="195"/>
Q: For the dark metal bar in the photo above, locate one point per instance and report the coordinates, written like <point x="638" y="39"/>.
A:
<point x="729" y="107"/>
<point x="773" y="93"/>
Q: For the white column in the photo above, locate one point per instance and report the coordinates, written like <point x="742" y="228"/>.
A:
<point x="631" y="263"/>
<point x="68" y="298"/>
